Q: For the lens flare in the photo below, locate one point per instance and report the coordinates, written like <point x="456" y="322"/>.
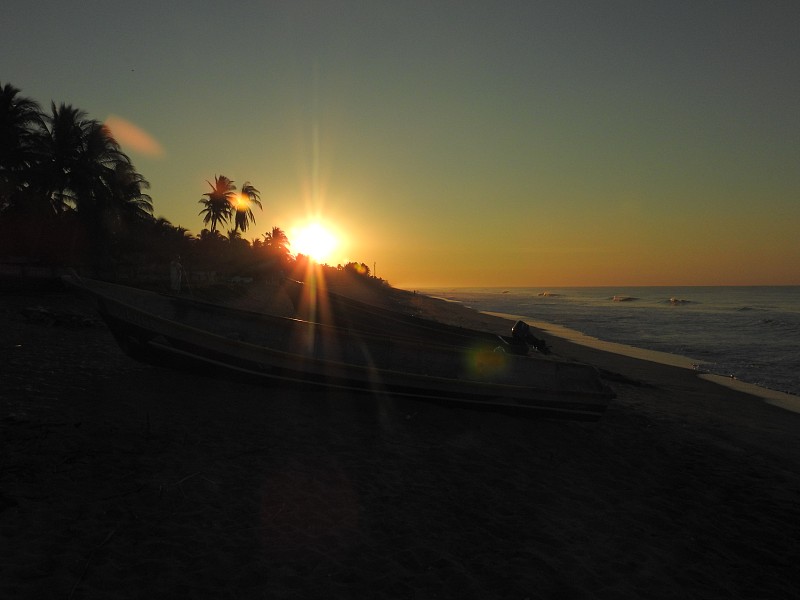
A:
<point x="486" y="363"/>
<point x="133" y="137"/>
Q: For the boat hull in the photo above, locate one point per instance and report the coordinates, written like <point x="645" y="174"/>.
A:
<point x="169" y="331"/>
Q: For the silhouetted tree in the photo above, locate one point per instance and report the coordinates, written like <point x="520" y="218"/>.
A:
<point x="163" y="240"/>
<point x="20" y="123"/>
<point x="63" y="172"/>
<point x="355" y="268"/>
<point x="81" y="157"/>
<point x="277" y="242"/>
<point x="275" y="250"/>
<point x="244" y="213"/>
<point x="211" y="237"/>
<point x="86" y="171"/>
<point x="218" y="203"/>
<point x="65" y="183"/>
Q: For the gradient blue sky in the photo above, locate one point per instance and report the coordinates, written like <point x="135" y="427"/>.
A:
<point x="459" y="143"/>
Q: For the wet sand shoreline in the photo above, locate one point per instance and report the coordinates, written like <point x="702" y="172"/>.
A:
<point x="122" y="480"/>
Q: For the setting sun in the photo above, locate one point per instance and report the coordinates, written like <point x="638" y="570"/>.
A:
<point x="315" y="241"/>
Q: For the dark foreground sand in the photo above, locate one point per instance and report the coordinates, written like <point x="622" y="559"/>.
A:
<point x="120" y="480"/>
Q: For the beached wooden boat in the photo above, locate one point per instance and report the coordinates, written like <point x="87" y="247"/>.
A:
<point x="342" y="311"/>
<point x="180" y="332"/>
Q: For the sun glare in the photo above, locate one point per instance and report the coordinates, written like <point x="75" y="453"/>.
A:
<point x="314" y="240"/>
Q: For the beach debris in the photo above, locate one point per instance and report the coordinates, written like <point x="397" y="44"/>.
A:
<point x="523" y="338"/>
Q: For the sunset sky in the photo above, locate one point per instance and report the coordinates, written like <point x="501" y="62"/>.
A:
<point x="457" y="143"/>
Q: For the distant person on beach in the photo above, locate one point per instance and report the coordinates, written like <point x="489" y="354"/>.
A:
<point x="175" y="274"/>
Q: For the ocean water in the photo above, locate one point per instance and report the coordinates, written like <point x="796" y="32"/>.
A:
<point x="749" y="333"/>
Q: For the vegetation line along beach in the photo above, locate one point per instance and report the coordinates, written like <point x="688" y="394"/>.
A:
<point x="72" y="198"/>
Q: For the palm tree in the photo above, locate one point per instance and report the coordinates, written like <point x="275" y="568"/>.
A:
<point x="129" y="202"/>
<point x="277" y="242"/>
<point x="63" y="138"/>
<point x="210" y="237"/>
<point x="20" y="122"/>
<point x="277" y="245"/>
<point x="276" y="251"/>
<point x="87" y="173"/>
<point x="65" y="172"/>
<point x="244" y="213"/>
<point x="81" y="165"/>
<point x="217" y="204"/>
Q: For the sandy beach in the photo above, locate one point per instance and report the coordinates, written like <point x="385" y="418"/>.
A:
<point x="122" y="480"/>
